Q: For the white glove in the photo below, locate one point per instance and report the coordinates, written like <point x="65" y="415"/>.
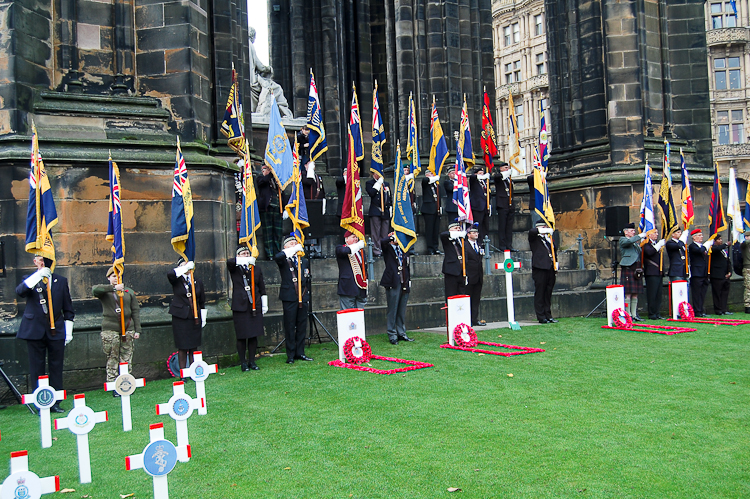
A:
<point x="557" y="266"/>
<point x="324" y="206"/>
<point x="299" y="249"/>
<point x="289" y="252"/>
<point x="68" y="332"/>
<point x="356" y="246"/>
<point x="708" y="243"/>
<point x="190" y="265"/>
<point x="684" y="237"/>
<point x="182" y="270"/>
<point x="658" y="246"/>
<point x="643" y="235"/>
<point x="264" y="304"/>
<point x="457" y="234"/>
<point x="37" y="276"/>
<point x="378" y="184"/>
<point x="204" y="314"/>
<point x="241" y="164"/>
<point x="285" y="216"/>
<point x="434" y="179"/>
<point x="245" y="260"/>
<point x="311" y="169"/>
<point x="486" y="176"/>
<point x="545" y="230"/>
<point x="409" y="176"/>
<point x="506" y="174"/>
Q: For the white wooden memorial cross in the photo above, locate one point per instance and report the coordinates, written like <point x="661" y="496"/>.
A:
<point x="158" y="459"/>
<point x="80" y="421"/>
<point x="125" y="386"/>
<point x="180" y="407"/>
<point x="509" y="266"/>
<point x="199" y="372"/>
<point x="23" y="483"/>
<point x="43" y="398"/>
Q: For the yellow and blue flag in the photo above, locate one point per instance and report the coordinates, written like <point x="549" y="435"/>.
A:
<point x="183" y="230"/>
<point x="403" y="216"/>
<point x="378" y="135"/>
<point x="717" y="222"/>
<point x="317" y="138"/>
<point x="114" y="220"/>
<point x="250" y="216"/>
<point x="438" y="146"/>
<point x="278" y="151"/>
<point x="295" y="206"/>
<point x="412" y="145"/>
<point x="542" y="205"/>
<point x="41" y="213"/>
<point x="688" y="216"/>
<point x="233" y="126"/>
<point x="464" y="138"/>
<point x="355" y="127"/>
<point x="666" y="203"/>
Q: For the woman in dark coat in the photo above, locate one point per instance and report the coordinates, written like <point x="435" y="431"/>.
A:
<point x="248" y="322"/>
<point x="186" y="329"/>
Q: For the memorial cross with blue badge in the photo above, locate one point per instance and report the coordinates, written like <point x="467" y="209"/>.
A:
<point x="180" y="407"/>
<point x="24" y="484"/>
<point x="198" y="372"/>
<point x="44" y="397"/>
<point x="80" y="421"/>
<point x="158" y="459"/>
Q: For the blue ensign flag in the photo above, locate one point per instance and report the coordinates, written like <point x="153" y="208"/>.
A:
<point x="183" y="231"/>
<point x="41" y="214"/>
<point x="403" y="216"/>
<point x="114" y="220"/>
<point x="278" y="151"/>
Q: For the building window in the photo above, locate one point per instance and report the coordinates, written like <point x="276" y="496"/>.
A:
<point x="519" y="116"/>
<point x="730" y="126"/>
<point x="516" y="33"/>
<point x="538" y="26"/>
<point x="506" y="36"/>
<point x="513" y="72"/>
<point x="727" y="73"/>
<point x="541" y="66"/>
<point x="509" y="73"/>
<point x="723" y="15"/>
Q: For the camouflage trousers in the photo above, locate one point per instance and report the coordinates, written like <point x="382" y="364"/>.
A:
<point x="746" y="292"/>
<point x="116" y="353"/>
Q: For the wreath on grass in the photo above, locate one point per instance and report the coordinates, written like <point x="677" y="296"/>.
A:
<point x="686" y="311"/>
<point x="621" y="318"/>
<point x="357" y="350"/>
<point x="464" y="336"/>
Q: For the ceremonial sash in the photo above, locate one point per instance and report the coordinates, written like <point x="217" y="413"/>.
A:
<point x="359" y="277"/>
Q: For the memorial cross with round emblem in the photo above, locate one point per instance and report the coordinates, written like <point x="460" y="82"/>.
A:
<point x="80" y="421"/>
<point x="158" y="459"/>
<point x="24" y="484"/>
<point x="180" y="407"/>
<point x="44" y="397"/>
<point x="198" y="372"/>
<point x="509" y="266"/>
<point x="125" y="386"/>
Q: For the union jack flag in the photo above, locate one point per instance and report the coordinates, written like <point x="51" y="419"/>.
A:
<point x="461" y="189"/>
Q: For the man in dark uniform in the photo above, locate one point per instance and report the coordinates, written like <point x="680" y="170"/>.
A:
<point x="380" y="209"/>
<point x="677" y="253"/>
<point x="454" y="269"/>
<point x="247" y="314"/>
<point x="269" y="209"/>
<point x="293" y="265"/>
<point x="187" y="331"/>
<point x="543" y="270"/>
<point x="479" y="185"/>
<point x="475" y="277"/>
<point x="397" y="283"/>
<point x="698" y="254"/>
<point x="352" y="288"/>
<point x="504" y="208"/>
<point x="42" y="341"/>
<point x="450" y="208"/>
<point x="431" y="211"/>
<point x="652" y="269"/>
<point x="303" y="145"/>
<point x="720" y="272"/>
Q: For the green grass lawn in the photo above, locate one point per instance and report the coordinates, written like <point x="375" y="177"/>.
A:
<point x="601" y="413"/>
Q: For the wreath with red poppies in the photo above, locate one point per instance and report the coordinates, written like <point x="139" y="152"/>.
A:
<point x="464" y="336"/>
<point x="621" y="318"/>
<point x="357" y="350"/>
<point x="686" y="311"/>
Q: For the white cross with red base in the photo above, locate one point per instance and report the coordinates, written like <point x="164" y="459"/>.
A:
<point x="80" y="421"/>
<point x="158" y="459"/>
<point x="180" y="407"/>
<point x="24" y="483"/>
<point x="125" y="386"/>
<point x="199" y="372"/>
<point x="509" y="266"/>
<point x="43" y="398"/>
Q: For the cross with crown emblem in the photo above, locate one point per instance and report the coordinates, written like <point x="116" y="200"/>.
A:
<point x="125" y="386"/>
<point x="158" y="459"/>
<point x="24" y="484"/>
<point x="180" y="407"/>
<point x="80" y="421"/>
<point x="44" y="397"/>
<point x="199" y="372"/>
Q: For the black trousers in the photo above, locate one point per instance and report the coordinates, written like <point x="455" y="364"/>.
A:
<point x="454" y="285"/>
<point x="481" y="218"/>
<point x="505" y="228"/>
<point x="544" y="282"/>
<point x="698" y="289"/>
<point x="295" y="328"/>
<point x="431" y="231"/>
<point x="475" y="294"/>
<point x="42" y="352"/>
<point x="720" y="292"/>
<point x="653" y="295"/>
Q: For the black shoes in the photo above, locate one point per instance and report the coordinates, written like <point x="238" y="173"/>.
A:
<point x="728" y="313"/>
<point x="56" y="409"/>
<point x="290" y="361"/>
<point x="243" y="367"/>
<point x="543" y="321"/>
<point x="393" y="341"/>
<point x="115" y="394"/>
<point x="304" y="357"/>
<point x="253" y="366"/>
<point x="481" y="323"/>
<point x="552" y="321"/>
<point x="747" y="310"/>
<point x="637" y="318"/>
<point x="405" y="338"/>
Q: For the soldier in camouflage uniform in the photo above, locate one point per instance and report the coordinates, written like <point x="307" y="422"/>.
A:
<point x="745" y="247"/>
<point x="117" y="349"/>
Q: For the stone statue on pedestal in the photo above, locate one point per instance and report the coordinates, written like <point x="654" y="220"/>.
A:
<point x="263" y="86"/>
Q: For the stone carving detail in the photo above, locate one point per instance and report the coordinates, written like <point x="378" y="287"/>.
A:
<point x="533" y="83"/>
<point x="727" y="35"/>
<point x="263" y="86"/>
<point x="731" y="150"/>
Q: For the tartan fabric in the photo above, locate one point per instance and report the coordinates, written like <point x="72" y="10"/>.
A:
<point x="272" y="225"/>
<point x="632" y="286"/>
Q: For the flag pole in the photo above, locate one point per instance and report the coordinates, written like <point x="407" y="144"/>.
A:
<point x="122" y="306"/>
<point x="299" y="281"/>
<point x="195" y="304"/>
<point x="49" y="303"/>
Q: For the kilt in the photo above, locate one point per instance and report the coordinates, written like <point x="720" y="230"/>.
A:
<point x="631" y="285"/>
<point x="187" y="334"/>
<point x="246" y="326"/>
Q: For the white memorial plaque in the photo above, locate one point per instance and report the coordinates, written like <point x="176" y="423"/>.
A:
<point x="125" y="386"/>
<point x="615" y="300"/>
<point x="180" y="407"/>
<point x="44" y="397"/>
<point x="350" y="322"/>
<point x="158" y="459"/>
<point x="198" y="372"/>
<point x="459" y="312"/>
<point x="22" y="483"/>
<point x="80" y="421"/>
<point x="679" y="291"/>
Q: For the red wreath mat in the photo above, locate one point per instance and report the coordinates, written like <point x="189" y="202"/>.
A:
<point x="412" y="365"/>
<point x="652" y="328"/>
<point x="708" y="320"/>
<point x="522" y="350"/>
